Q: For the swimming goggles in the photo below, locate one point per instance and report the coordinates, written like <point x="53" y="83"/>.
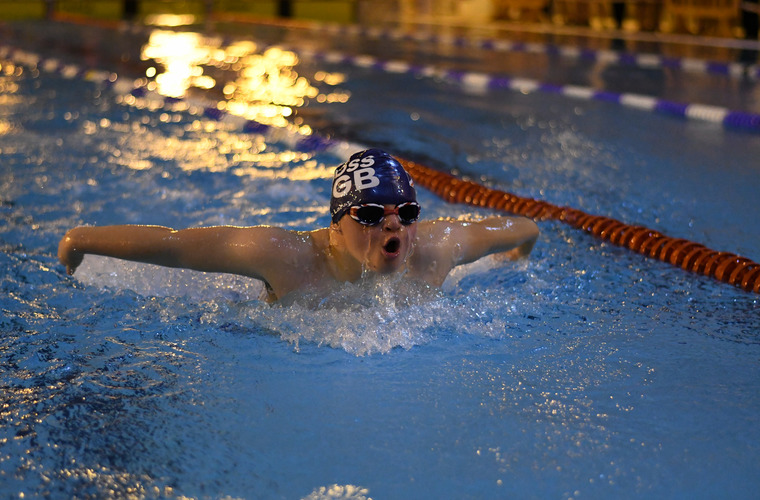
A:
<point x="371" y="214"/>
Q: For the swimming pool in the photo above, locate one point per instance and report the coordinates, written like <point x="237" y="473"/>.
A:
<point x="586" y="372"/>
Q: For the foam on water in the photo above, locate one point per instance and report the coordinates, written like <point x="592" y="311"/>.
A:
<point x="158" y="281"/>
<point x="347" y="491"/>
<point x="369" y="317"/>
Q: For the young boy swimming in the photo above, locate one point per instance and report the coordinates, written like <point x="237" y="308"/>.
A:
<point x="374" y="231"/>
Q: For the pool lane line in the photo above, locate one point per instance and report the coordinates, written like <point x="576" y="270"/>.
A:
<point x="688" y="255"/>
<point x="626" y="58"/>
<point x="480" y="82"/>
<point x="640" y="60"/>
<point x="477" y="81"/>
<point x="723" y="266"/>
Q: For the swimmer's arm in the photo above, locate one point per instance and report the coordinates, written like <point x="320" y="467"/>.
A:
<point x="246" y="251"/>
<point x="469" y="241"/>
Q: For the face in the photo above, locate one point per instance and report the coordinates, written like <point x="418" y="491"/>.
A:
<point x="382" y="248"/>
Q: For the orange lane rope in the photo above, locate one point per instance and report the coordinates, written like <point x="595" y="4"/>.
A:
<point x="724" y="266"/>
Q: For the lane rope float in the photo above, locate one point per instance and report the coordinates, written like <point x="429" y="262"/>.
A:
<point x="723" y="266"/>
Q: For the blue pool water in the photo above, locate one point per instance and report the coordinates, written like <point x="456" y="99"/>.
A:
<point x="585" y="372"/>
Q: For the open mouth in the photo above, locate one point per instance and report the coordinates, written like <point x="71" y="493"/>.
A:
<point x="392" y="246"/>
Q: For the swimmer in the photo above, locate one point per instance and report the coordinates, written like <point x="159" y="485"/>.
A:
<point x="375" y="230"/>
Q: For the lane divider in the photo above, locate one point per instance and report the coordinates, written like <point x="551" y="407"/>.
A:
<point x="723" y="266"/>
<point x="483" y="82"/>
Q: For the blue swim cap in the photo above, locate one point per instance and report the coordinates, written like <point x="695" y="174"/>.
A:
<point x="370" y="176"/>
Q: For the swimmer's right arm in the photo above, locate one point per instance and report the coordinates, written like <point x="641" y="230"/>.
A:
<point x="216" y="249"/>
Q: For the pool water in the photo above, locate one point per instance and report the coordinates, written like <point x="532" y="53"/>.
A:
<point x="586" y="371"/>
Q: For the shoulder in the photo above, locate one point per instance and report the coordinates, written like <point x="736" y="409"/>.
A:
<point x="286" y="260"/>
<point x="257" y="250"/>
<point x="285" y="244"/>
<point x="441" y="226"/>
<point x="442" y="237"/>
<point x="437" y="249"/>
<point x="441" y="232"/>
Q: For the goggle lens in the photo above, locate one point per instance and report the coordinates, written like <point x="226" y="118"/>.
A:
<point x="408" y="212"/>
<point x="371" y="214"/>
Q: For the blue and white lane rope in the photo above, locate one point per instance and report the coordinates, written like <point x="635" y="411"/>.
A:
<point x="484" y="81"/>
<point x="641" y="60"/>
<point x="471" y="80"/>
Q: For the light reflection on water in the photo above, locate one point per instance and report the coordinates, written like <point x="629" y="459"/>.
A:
<point x="256" y="83"/>
<point x="182" y="56"/>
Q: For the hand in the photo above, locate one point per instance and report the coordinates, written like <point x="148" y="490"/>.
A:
<point x="509" y="255"/>
<point x="516" y="253"/>
<point x="68" y="254"/>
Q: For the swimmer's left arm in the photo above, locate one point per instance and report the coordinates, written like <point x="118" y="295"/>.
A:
<point x="469" y="241"/>
<point x="514" y="235"/>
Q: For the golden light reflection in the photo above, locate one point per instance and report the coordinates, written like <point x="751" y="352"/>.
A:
<point x="240" y="154"/>
<point x="7" y="85"/>
<point x="10" y="69"/>
<point x="170" y="20"/>
<point x="6" y="99"/>
<point x="259" y="85"/>
<point x="267" y="88"/>
<point x="309" y="170"/>
<point x="330" y="78"/>
<point x="183" y="56"/>
<point x="6" y="127"/>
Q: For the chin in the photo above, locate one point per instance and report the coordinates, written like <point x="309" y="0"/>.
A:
<point x="389" y="265"/>
<point x="388" y="269"/>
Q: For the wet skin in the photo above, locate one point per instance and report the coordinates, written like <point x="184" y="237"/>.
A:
<point x="290" y="261"/>
<point x="383" y="248"/>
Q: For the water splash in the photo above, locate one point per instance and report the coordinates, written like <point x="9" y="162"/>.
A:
<point x="347" y="491"/>
<point x="158" y="281"/>
<point x="373" y="316"/>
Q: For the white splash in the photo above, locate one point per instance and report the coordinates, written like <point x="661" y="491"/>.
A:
<point x="373" y="316"/>
<point x="158" y="281"/>
<point x="337" y="491"/>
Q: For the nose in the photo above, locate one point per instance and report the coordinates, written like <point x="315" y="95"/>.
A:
<point x="391" y="222"/>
